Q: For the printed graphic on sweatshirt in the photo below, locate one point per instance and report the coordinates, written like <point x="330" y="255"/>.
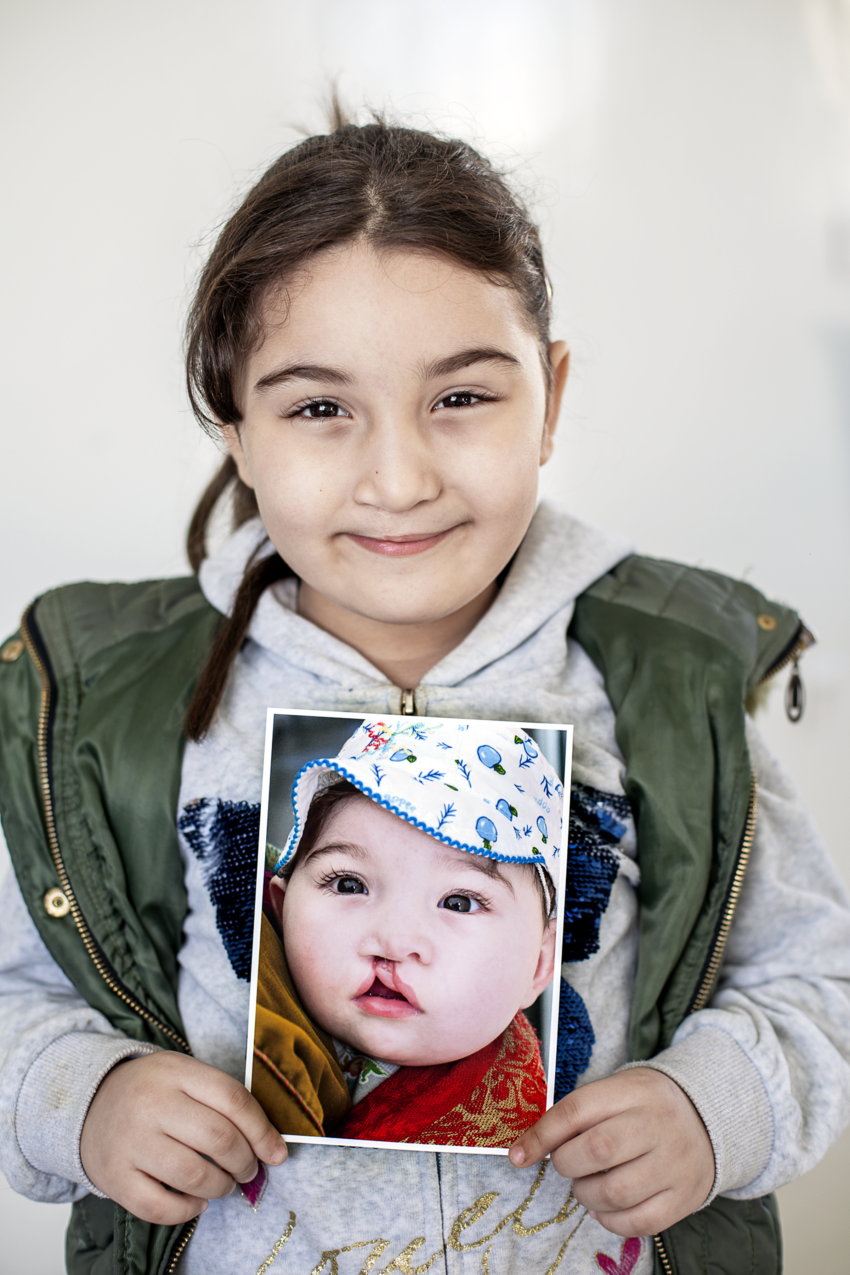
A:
<point x="598" y="821"/>
<point x="223" y="836"/>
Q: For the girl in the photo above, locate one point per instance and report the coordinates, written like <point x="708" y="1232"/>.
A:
<point x="370" y="339"/>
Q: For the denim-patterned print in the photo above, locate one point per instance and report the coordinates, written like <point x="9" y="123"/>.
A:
<point x="224" y="835"/>
<point x="598" y="821"/>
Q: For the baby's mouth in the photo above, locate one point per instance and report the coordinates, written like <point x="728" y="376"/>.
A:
<point x="380" y="1001"/>
<point x="386" y="993"/>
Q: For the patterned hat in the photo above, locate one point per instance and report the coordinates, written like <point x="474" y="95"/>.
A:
<point x="479" y="787"/>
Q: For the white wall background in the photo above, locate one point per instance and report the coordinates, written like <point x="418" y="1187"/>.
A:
<point x="690" y="161"/>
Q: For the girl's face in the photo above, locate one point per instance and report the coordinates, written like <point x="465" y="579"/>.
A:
<point x="403" y="947"/>
<point x="395" y="417"/>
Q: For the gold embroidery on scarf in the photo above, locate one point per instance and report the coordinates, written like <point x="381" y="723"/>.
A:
<point x="494" y="1114"/>
<point x="264" y="1266"/>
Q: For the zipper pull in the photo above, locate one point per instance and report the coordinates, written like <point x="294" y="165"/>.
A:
<point x="795" y="695"/>
<point x="408" y="703"/>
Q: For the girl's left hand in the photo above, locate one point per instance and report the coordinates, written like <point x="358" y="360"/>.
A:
<point x="635" y="1147"/>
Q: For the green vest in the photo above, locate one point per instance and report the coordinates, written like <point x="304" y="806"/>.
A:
<point x="91" y="742"/>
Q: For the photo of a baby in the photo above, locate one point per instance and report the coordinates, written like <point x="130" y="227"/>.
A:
<point x="408" y="922"/>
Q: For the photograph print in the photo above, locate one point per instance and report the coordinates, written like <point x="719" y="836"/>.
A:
<point x="410" y="886"/>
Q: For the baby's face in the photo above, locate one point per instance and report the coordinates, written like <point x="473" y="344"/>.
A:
<point x="402" y="947"/>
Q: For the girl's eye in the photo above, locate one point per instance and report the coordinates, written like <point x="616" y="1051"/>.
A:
<point x="461" y="903"/>
<point x="320" y="409"/>
<point x="463" y="398"/>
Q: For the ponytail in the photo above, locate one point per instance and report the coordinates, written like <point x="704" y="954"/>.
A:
<point x="257" y="578"/>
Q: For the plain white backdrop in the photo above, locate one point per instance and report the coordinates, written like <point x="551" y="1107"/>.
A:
<point x="690" y="163"/>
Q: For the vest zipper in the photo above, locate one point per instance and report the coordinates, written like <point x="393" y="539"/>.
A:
<point x="188" y="1232"/>
<point x="662" y="1254"/>
<point x="803" y="639"/>
<point x="722" y="932"/>
<point x="32" y="641"/>
<point x="794" y="694"/>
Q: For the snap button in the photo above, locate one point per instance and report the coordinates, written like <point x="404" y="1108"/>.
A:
<point x="56" y="903"/>
<point x="767" y="622"/>
<point x="12" y="651"/>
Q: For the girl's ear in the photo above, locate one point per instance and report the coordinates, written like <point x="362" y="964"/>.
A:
<point x="545" y="971"/>
<point x="559" y="357"/>
<point x="277" y="891"/>
<point x="230" y="434"/>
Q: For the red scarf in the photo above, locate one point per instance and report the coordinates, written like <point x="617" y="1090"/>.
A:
<point x="485" y="1100"/>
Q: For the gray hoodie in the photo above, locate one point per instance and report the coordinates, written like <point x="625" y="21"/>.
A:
<point x="765" y="1064"/>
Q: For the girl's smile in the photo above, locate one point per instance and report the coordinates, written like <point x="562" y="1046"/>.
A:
<point x="395" y="415"/>
<point x="400" y="546"/>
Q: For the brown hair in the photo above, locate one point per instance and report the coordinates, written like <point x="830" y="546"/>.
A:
<point x="332" y="795"/>
<point x="394" y="187"/>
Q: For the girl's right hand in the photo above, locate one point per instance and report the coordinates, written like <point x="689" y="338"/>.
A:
<point x="166" y="1120"/>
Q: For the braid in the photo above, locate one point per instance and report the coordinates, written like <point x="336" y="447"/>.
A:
<point x="228" y="643"/>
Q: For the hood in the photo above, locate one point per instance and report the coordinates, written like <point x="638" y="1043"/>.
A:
<point x="557" y="560"/>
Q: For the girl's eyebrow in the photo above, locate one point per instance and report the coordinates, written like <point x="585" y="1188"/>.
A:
<point x="303" y="372"/>
<point x="466" y="358"/>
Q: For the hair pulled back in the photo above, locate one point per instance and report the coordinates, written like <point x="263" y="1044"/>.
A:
<point x="391" y="186"/>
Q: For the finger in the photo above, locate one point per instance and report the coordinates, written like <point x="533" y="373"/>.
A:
<point x="578" y="1111"/>
<point x="145" y="1197"/>
<point x="227" y="1096"/>
<point x="207" y="1131"/>
<point x="624" y="1187"/>
<point x="185" y="1170"/>
<point x="647" y="1218"/>
<point x="613" y="1142"/>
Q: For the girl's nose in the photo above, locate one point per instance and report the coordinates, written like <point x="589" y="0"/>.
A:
<point x="398" y="468"/>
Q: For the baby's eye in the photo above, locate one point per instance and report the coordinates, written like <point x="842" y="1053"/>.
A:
<point x="460" y="903"/>
<point x="347" y="885"/>
<point x="320" y="409"/>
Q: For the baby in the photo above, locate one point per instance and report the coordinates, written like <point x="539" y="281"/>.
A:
<point x="416" y="904"/>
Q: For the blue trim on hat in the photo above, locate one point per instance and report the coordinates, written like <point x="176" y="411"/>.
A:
<point x="331" y="764"/>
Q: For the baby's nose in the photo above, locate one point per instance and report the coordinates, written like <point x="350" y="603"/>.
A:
<point x="397" y="945"/>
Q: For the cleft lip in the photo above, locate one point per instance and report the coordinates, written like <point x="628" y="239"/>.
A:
<point x="384" y="975"/>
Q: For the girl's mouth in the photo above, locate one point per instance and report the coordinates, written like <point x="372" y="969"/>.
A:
<point x="385" y="1002"/>
<point x="400" y="546"/>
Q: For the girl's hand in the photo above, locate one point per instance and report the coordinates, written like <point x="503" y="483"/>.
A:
<point x="635" y="1147"/>
<point x="165" y="1120"/>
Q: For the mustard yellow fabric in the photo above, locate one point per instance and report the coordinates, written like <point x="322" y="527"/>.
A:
<point x="296" y="1078"/>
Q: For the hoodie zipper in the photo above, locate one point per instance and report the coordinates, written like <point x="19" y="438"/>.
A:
<point x="32" y="641"/>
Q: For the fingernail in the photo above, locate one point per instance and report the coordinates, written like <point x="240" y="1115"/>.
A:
<point x="590" y="1213"/>
<point x="517" y="1155"/>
